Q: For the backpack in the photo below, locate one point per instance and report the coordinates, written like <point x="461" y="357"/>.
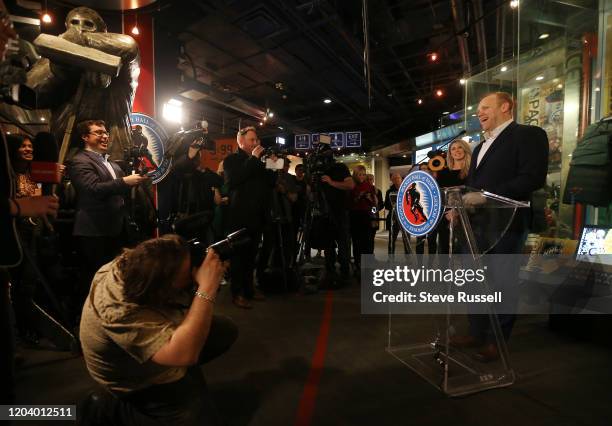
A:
<point x="590" y="176"/>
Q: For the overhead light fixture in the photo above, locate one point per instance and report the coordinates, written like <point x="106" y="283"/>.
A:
<point x="46" y="18"/>
<point x="261" y="123"/>
<point x="446" y="113"/>
<point x="280" y="127"/>
<point x="544" y="36"/>
<point x="173" y="111"/>
<point x="473" y="115"/>
<point x="433" y="56"/>
<point x="420" y="101"/>
<point x="327" y="101"/>
<point x="265" y="118"/>
<point x="514" y="4"/>
<point x="135" y="29"/>
<point x="42" y="118"/>
<point x="378" y="155"/>
<point x="270" y="114"/>
<point x="597" y="89"/>
<point x="560" y="86"/>
<point x="539" y="78"/>
<point x="470" y="108"/>
<point x="404" y="155"/>
<point x="504" y="69"/>
<point x="462" y="81"/>
<point x="439" y="93"/>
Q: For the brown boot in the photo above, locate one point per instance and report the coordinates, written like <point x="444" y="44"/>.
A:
<point x="464" y="341"/>
<point x="241" y="302"/>
<point x="487" y="353"/>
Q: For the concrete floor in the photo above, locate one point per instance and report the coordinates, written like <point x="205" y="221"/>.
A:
<point x="260" y="381"/>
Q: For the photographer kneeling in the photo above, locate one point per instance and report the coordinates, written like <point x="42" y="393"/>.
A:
<point x="144" y="332"/>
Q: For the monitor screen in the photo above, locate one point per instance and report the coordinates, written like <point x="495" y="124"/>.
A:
<point x="595" y="244"/>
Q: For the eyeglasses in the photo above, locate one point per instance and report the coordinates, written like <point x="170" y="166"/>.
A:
<point x="99" y="133"/>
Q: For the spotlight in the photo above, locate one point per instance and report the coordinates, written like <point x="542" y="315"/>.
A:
<point x="470" y="108"/>
<point x="462" y="81"/>
<point x="504" y="69"/>
<point x="261" y="123"/>
<point x="173" y="111"/>
<point x="265" y="118"/>
<point x="439" y="93"/>
<point x="46" y="18"/>
<point x="433" y="57"/>
<point x="327" y="101"/>
<point x="42" y="118"/>
<point x="514" y="4"/>
<point x="135" y="30"/>
<point x="539" y="78"/>
<point x="280" y="127"/>
<point x="270" y="114"/>
<point x="420" y="101"/>
<point x="445" y="113"/>
<point x="560" y="86"/>
<point x="544" y="36"/>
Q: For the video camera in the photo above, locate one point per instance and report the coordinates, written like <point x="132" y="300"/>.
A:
<point x="224" y="248"/>
<point x="196" y="137"/>
<point x="271" y="164"/>
<point x="318" y="162"/>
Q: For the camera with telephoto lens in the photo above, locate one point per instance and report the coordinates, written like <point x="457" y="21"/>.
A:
<point x="224" y="248"/>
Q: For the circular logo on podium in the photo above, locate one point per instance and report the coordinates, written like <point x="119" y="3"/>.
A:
<point x="419" y="203"/>
<point x="149" y="136"/>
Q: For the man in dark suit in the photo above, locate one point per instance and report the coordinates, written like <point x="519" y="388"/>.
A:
<point x="512" y="162"/>
<point x="250" y="190"/>
<point x="100" y="186"/>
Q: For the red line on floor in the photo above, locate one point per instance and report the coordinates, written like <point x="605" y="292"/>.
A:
<point x="309" y="394"/>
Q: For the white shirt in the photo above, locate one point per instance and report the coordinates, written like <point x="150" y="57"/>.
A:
<point x="105" y="161"/>
<point x="489" y="139"/>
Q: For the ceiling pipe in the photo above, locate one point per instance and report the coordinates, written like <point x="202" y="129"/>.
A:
<point x="481" y="38"/>
<point x="461" y="37"/>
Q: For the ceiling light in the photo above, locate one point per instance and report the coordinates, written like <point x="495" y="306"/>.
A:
<point x="473" y="115"/>
<point x="327" y="101"/>
<point x="265" y="118"/>
<point x="439" y="93"/>
<point x="596" y="89"/>
<point x="544" y="36"/>
<point x="404" y="155"/>
<point x="173" y="111"/>
<point x="261" y="123"/>
<point x="504" y="69"/>
<point x="270" y="114"/>
<point x="560" y="86"/>
<point x="280" y="127"/>
<point x="46" y="18"/>
<point x="446" y="113"/>
<point x="470" y="108"/>
<point x="42" y="118"/>
<point x="514" y="4"/>
<point x="135" y="29"/>
<point x="462" y="81"/>
<point x="284" y="96"/>
<point x="433" y="57"/>
<point x="378" y="155"/>
<point x="420" y="101"/>
<point x="539" y="78"/>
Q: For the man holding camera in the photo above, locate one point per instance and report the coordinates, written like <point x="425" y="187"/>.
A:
<point x="100" y="186"/>
<point x="336" y="184"/>
<point x="250" y="190"/>
<point x="144" y="331"/>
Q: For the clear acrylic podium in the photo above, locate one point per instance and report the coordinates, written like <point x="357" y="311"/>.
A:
<point x="422" y="342"/>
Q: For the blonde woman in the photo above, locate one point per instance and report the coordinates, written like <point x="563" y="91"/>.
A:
<point x="458" y="159"/>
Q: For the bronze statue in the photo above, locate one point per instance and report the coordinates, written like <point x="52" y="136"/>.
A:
<point x="74" y="88"/>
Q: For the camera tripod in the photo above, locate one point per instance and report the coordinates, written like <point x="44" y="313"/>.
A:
<point x="394" y="222"/>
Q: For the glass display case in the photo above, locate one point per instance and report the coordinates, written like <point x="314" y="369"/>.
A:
<point x="546" y="72"/>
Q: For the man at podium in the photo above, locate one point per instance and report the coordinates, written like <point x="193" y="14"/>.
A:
<point x="512" y="161"/>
